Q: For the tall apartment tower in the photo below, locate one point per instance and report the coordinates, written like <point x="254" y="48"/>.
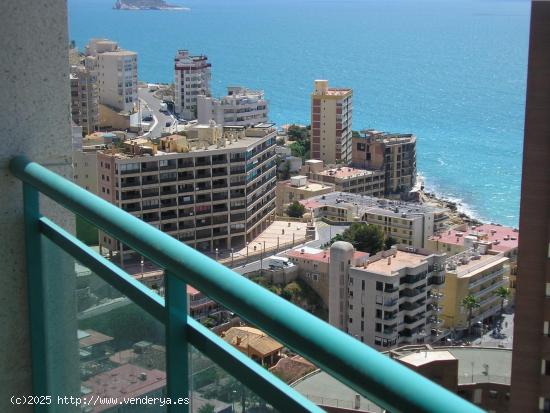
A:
<point x="84" y="99"/>
<point x="531" y="354"/>
<point x="331" y="123"/>
<point x="191" y="79"/>
<point x="116" y="73"/>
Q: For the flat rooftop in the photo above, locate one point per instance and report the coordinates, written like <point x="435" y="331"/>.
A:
<point x="363" y="204"/>
<point x="335" y="91"/>
<point x="475" y="365"/>
<point x="389" y="265"/>
<point x="242" y="143"/>
<point x="345" y="172"/>
<point x="424" y="357"/>
<point x="308" y="186"/>
<point x="503" y="239"/>
<point x="317" y="255"/>
<point x="473" y="266"/>
<point x="125" y="381"/>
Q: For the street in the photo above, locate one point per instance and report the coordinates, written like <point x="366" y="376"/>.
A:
<point x="154" y="104"/>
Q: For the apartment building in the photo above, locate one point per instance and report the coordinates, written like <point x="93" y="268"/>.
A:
<point x="212" y="188"/>
<point x="298" y="188"/>
<point x="241" y="106"/>
<point x="331" y="123"/>
<point x="347" y="179"/>
<point x="191" y="78"/>
<point x="117" y="74"/>
<point x="313" y="267"/>
<point x="473" y="272"/>
<point x="406" y="222"/>
<point x="497" y="239"/>
<point x="84" y="99"/>
<point x="395" y="154"/>
<point x="393" y="298"/>
<point x="384" y="300"/>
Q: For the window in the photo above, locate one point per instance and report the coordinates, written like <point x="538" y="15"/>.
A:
<point x="379" y="286"/>
<point x="362" y="325"/>
<point x="378" y="313"/>
<point x="477" y="396"/>
<point x="362" y="312"/>
<point x="363" y="285"/>
<point x="544" y="405"/>
<point x="378" y="327"/>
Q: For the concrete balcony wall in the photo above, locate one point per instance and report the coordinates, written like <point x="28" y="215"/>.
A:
<point x="35" y="116"/>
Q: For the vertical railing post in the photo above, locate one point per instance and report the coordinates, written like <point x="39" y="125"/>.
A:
<point x="36" y="295"/>
<point x="177" y="361"/>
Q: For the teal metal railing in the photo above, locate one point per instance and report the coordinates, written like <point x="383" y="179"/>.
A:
<point x="371" y="374"/>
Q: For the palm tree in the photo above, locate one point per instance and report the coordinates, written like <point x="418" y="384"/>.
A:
<point x="470" y="302"/>
<point x="503" y="293"/>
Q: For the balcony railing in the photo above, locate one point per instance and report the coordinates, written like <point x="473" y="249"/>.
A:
<point x="369" y="373"/>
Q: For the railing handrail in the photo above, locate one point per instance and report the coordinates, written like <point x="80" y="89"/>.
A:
<point x="373" y="375"/>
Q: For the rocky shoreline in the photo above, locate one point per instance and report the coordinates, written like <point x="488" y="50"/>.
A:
<point x="456" y="217"/>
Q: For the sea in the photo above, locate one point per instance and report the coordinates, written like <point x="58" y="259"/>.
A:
<point x="451" y="72"/>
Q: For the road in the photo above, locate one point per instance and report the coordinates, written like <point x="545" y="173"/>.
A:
<point x="325" y="233"/>
<point x="154" y="104"/>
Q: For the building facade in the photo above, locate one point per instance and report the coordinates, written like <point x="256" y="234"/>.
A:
<point x="393" y="298"/>
<point x="384" y="300"/>
<point x="352" y="180"/>
<point x="331" y="123"/>
<point x="395" y="154"/>
<point x="84" y="99"/>
<point x="191" y="78"/>
<point x="241" y="106"/>
<point x="214" y="188"/>
<point x="473" y="272"/>
<point x="117" y="74"/>
<point x="531" y="354"/>
<point x="407" y="223"/>
<point x="498" y="239"/>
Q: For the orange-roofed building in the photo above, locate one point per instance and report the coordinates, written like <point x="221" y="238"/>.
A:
<point x="254" y="343"/>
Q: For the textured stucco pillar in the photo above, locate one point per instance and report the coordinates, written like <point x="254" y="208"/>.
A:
<point x="35" y="119"/>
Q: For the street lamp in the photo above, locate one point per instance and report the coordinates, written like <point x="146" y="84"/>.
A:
<point x="261" y="256"/>
<point x="246" y="252"/>
<point x="216" y="254"/>
<point x="141" y="264"/>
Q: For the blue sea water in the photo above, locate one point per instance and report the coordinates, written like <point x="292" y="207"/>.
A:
<point x="452" y="72"/>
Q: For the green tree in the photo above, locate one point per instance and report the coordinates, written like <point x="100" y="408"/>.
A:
<point x="207" y="408"/>
<point x="503" y="293"/>
<point x="296" y="210"/>
<point x="355" y="134"/>
<point x="298" y="133"/>
<point x="389" y="242"/>
<point x="364" y="237"/>
<point x="298" y="149"/>
<point x="470" y="303"/>
<point x="292" y="292"/>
